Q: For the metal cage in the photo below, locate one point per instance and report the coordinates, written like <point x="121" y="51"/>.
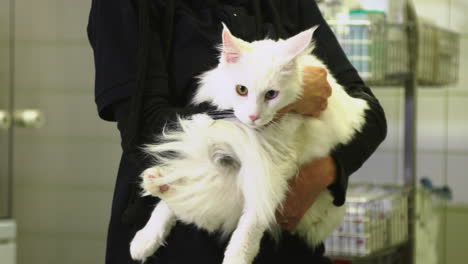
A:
<point x="376" y="220"/>
<point x="378" y="50"/>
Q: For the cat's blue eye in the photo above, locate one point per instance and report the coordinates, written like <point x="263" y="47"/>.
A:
<point x="272" y="94"/>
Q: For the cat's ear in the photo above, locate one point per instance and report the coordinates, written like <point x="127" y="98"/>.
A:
<point x="232" y="46"/>
<point x="297" y="44"/>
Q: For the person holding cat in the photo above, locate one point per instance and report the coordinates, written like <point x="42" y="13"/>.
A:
<point x="148" y="54"/>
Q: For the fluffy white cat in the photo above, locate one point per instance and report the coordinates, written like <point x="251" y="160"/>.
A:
<point x="231" y="175"/>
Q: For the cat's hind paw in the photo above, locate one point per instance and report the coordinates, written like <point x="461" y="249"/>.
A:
<point x="234" y="260"/>
<point x="143" y="245"/>
<point x="149" y="184"/>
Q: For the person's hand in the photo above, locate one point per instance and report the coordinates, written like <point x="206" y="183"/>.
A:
<point x="315" y="95"/>
<point x="312" y="179"/>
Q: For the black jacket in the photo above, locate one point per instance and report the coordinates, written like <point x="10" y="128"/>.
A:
<point x="183" y="40"/>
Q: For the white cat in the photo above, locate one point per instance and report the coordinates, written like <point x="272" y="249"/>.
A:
<point x="231" y="175"/>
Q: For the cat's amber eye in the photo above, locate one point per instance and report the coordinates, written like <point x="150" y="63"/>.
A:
<point x="272" y="94"/>
<point x="242" y="90"/>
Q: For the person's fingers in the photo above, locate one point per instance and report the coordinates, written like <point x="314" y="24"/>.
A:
<point x="323" y="105"/>
<point x="328" y="90"/>
<point x="316" y="85"/>
<point x="314" y="70"/>
<point x="286" y="109"/>
<point x="314" y="115"/>
<point x="289" y="223"/>
<point x="289" y="217"/>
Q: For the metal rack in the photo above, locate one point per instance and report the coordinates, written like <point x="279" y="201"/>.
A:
<point x="404" y="52"/>
<point x="379" y="51"/>
<point x="376" y="49"/>
<point x="387" y="54"/>
<point x="439" y="51"/>
<point x="376" y="222"/>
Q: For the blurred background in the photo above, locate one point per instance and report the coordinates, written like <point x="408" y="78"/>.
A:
<point x="58" y="160"/>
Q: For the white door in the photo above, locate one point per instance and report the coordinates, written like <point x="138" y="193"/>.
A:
<point x="7" y="225"/>
<point x="5" y="86"/>
<point x="56" y="176"/>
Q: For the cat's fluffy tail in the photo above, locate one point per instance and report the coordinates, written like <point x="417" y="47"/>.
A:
<point x="204" y="151"/>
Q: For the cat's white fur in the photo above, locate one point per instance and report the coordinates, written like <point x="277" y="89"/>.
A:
<point x="230" y="176"/>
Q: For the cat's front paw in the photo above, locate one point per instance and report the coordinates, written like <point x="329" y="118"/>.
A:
<point x="149" y="184"/>
<point x="143" y="245"/>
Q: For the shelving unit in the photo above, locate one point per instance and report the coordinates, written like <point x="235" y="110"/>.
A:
<point x="387" y="54"/>
<point x="391" y="48"/>
<point x="375" y="223"/>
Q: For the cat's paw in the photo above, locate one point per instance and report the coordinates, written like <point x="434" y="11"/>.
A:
<point x="143" y="245"/>
<point x="235" y="260"/>
<point x="149" y="178"/>
<point x="240" y="252"/>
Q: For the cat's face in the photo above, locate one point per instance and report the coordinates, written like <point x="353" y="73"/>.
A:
<point x="261" y="77"/>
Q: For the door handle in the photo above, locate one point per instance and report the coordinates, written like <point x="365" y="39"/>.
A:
<point x="28" y="118"/>
<point x="5" y="119"/>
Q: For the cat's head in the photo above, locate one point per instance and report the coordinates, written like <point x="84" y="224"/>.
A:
<point x="256" y="79"/>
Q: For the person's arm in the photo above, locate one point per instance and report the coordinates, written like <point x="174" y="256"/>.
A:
<point x="113" y="34"/>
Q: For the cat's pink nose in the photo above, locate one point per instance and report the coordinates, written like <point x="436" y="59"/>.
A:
<point x="253" y="117"/>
